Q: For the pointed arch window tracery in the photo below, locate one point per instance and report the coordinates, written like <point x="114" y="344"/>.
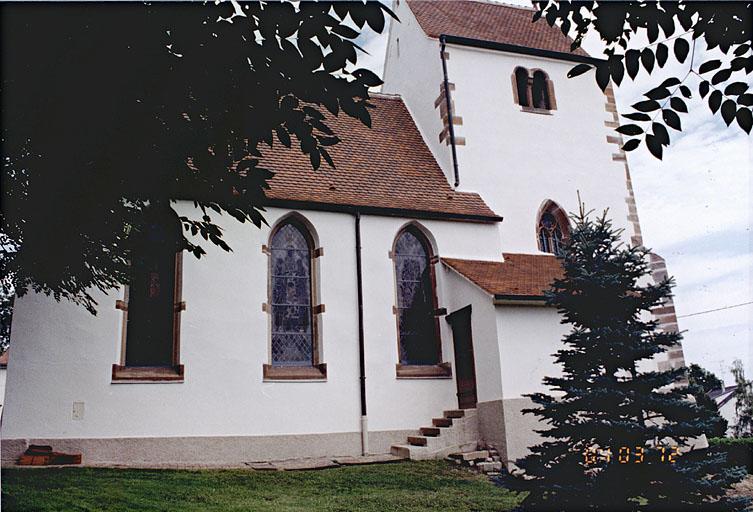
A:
<point x="553" y="229"/>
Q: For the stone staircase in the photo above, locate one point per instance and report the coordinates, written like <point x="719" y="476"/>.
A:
<point x="455" y="431"/>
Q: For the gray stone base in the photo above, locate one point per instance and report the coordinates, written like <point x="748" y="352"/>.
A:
<point x="231" y="451"/>
<point x="491" y="425"/>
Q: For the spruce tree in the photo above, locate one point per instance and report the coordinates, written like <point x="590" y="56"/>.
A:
<point x="617" y="432"/>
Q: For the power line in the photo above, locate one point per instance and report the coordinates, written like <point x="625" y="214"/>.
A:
<point x="717" y="309"/>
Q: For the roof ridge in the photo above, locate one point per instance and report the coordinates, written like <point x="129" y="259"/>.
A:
<point x="503" y="4"/>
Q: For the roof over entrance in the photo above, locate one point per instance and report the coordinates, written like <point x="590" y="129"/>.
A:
<point x="519" y="277"/>
<point x="489" y="21"/>
<point x="386" y="169"/>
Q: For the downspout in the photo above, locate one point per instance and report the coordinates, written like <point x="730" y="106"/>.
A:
<point x="361" y="357"/>
<point x="449" y="110"/>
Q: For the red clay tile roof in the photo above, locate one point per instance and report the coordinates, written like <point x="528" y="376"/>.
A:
<point x="519" y="276"/>
<point x="387" y="169"/>
<point x="489" y="22"/>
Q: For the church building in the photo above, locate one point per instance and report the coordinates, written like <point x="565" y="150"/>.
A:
<point x="394" y="304"/>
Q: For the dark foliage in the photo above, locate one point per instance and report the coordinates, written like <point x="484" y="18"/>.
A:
<point x="609" y="417"/>
<point x="700" y="383"/>
<point x="743" y="401"/>
<point x="668" y="24"/>
<point x="110" y="107"/>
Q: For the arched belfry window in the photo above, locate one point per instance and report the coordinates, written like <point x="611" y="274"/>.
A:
<point x="540" y="90"/>
<point x="152" y="303"/>
<point x="521" y="86"/>
<point x="553" y="229"/>
<point x="418" y="327"/>
<point x="291" y="296"/>
<point x="533" y="90"/>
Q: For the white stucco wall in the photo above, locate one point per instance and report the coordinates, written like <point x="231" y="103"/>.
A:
<point x="484" y="329"/>
<point x="413" y="70"/>
<point x="3" y="373"/>
<point x="528" y="336"/>
<point x="64" y="355"/>
<point x="517" y="159"/>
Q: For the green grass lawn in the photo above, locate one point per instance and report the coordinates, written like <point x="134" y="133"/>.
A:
<point x="405" y="486"/>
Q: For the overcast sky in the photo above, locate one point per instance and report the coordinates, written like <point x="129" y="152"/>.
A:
<point x="695" y="211"/>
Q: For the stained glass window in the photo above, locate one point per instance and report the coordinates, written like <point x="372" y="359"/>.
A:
<point x="292" y="332"/>
<point x="415" y="300"/>
<point x="552" y="230"/>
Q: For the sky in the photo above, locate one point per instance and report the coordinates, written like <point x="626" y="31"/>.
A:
<point x="695" y="210"/>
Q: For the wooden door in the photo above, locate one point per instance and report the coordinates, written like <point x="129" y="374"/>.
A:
<point x="465" y="366"/>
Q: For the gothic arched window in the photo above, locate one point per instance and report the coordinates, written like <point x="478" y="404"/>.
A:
<point x="553" y="229"/>
<point x="540" y="90"/>
<point x="290" y="302"/>
<point x="418" y="328"/>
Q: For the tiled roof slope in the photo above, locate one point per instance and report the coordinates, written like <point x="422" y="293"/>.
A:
<point x="520" y="275"/>
<point x="387" y="167"/>
<point x="489" y="22"/>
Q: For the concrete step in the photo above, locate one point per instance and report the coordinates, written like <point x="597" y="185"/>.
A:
<point x="442" y="422"/>
<point x="407" y="451"/>
<point x="430" y="431"/>
<point x="417" y="440"/>
<point x="474" y="455"/>
<point x="454" y="413"/>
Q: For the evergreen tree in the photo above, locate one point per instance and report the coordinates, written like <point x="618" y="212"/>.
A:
<point x="617" y="431"/>
<point x="700" y="383"/>
<point x="743" y="402"/>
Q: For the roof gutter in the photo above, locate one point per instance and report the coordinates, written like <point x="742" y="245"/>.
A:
<point x="513" y="48"/>
<point x="447" y="98"/>
<point x="519" y="300"/>
<point x="380" y="211"/>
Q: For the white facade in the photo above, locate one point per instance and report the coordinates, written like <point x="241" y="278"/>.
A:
<point x="60" y="386"/>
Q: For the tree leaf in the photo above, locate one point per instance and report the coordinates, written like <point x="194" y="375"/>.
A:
<point x="703" y="88"/>
<point x="715" y="101"/>
<point x="682" y="47"/>
<point x="678" y="104"/>
<point x="671" y="82"/>
<point x="671" y="119"/>
<point x="647" y="59"/>
<point x="345" y="31"/>
<point x="745" y="99"/>
<point x="662" y="53"/>
<point x="661" y="133"/>
<point x="740" y="50"/>
<point x="654" y="146"/>
<point x="729" y="109"/>
<point x="657" y="93"/>
<point x="709" y="65"/>
<point x="638" y="116"/>
<point x="721" y="76"/>
<point x="685" y="90"/>
<point x="631" y="145"/>
<point x="629" y="129"/>
<point x="367" y="77"/>
<point x="744" y="119"/>
<point x="735" y="89"/>
<point x="616" y="69"/>
<point x="578" y="70"/>
<point x="632" y="62"/>
<point x="602" y="75"/>
<point x="646" y="106"/>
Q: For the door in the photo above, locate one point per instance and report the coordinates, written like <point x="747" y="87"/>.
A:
<point x="465" y="366"/>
